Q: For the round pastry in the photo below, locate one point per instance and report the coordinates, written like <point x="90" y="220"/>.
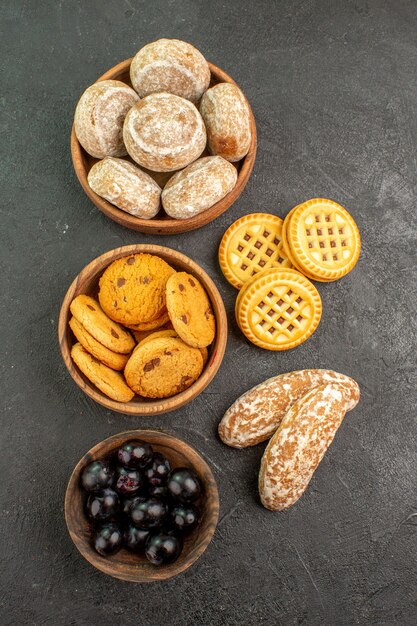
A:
<point x="278" y="309"/>
<point x="226" y="115"/>
<point x="198" y="187"/>
<point x="153" y="324"/>
<point x="190" y="310"/>
<point x="99" y="117"/>
<point x="163" y="367"/>
<point x="132" y="289"/>
<point x="157" y="334"/>
<point x="114" y="360"/>
<point x="125" y="186"/>
<point x="250" y="245"/>
<point x="170" y="65"/>
<point x="111" y="383"/>
<point x="164" y="132"/>
<point x="323" y="239"/>
<point x="90" y="315"/>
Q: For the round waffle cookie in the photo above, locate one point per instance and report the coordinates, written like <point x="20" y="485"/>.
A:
<point x="279" y="309"/>
<point x="286" y="246"/>
<point x="251" y="244"/>
<point x="323" y="239"/>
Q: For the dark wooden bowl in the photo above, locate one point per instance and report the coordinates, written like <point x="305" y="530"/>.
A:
<point x="87" y="283"/>
<point x="125" y="564"/>
<point x="162" y="224"/>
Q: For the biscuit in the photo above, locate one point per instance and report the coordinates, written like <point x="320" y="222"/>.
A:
<point x="299" y="444"/>
<point x="190" y="310"/>
<point x="251" y="244"/>
<point x="204" y="354"/>
<point x="164" y="132"/>
<point x="226" y="114"/>
<point x="152" y="324"/>
<point x="126" y="186"/>
<point x="256" y="415"/>
<point x="163" y="367"/>
<point x="158" y="334"/>
<point x="111" y="383"/>
<point x="323" y="239"/>
<point x="198" y="187"/>
<point x="141" y="334"/>
<point x="279" y="309"/>
<point x="170" y="65"/>
<point x="99" y="117"/>
<point x="89" y="314"/>
<point x="133" y="289"/>
<point x="112" y="359"/>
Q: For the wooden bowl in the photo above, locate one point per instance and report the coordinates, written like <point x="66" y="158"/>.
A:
<point x="162" y="224"/>
<point x="124" y="564"/>
<point x="87" y="283"/>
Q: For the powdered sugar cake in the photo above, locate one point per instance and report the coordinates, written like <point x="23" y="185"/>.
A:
<point x="299" y="444"/>
<point x="256" y="415"/>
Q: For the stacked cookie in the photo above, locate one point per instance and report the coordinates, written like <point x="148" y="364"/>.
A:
<point x="301" y="412"/>
<point x="321" y="239"/>
<point x="273" y="262"/>
<point x="168" y="121"/>
<point x="150" y="322"/>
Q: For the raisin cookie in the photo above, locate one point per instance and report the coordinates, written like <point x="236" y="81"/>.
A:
<point x="88" y="312"/>
<point x="190" y="310"/>
<point x="112" y="359"/>
<point x="163" y="367"/>
<point x="132" y="289"/>
<point x="111" y="383"/>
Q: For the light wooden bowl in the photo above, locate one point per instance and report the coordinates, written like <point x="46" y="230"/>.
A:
<point x="124" y="564"/>
<point x="87" y="283"/>
<point x="162" y="224"/>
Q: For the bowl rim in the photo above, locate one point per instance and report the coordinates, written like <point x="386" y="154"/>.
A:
<point x="169" y="225"/>
<point x="148" y="574"/>
<point x="218" y="348"/>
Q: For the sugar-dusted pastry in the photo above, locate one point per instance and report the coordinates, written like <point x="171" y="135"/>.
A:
<point x="196" y="188"/>
<point x="99" y="117"/>
<point x="170" y="65"/>
<point x="126" y="186"/>
<point x="256" y="415"/>
<point x="299" y="444"/>
<point x="164" y="132"/>
<point x="226" y="115"/>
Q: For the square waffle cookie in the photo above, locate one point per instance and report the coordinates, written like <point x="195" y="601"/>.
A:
<point x="250" y="245"/>
<point x="279" y="309"/>
<point x="322" y="239"/>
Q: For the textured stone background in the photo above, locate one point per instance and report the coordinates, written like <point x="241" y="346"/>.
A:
<point x="333" y="87"/>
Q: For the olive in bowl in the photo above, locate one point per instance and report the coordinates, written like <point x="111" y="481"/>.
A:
<point x="144" y="554"/>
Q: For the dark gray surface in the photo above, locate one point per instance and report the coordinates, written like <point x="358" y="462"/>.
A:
<point x="334" y="91"/>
